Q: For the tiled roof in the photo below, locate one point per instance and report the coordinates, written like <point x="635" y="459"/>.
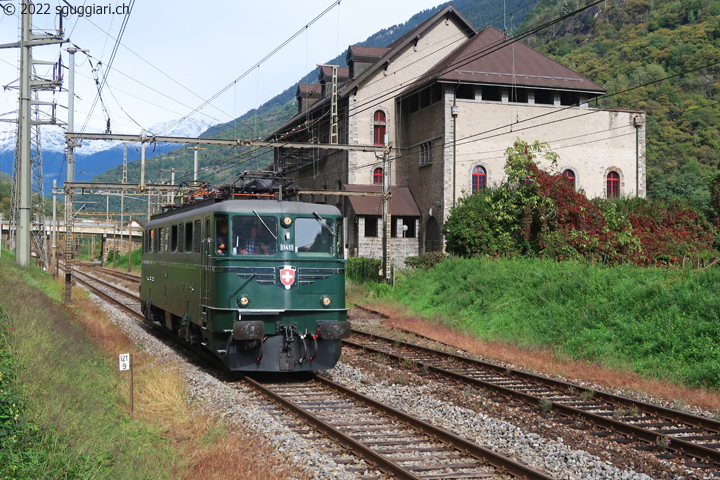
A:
<point x="403" y="41"/>
<point x="308" y="90"/>
<point x="492" y="58"/>
<point x="365" y="54"/>
<point x="402" y="202"/>
<point x="343" y="73"/>
<point x="396" y="46"/>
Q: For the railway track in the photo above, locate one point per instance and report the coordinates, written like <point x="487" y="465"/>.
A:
<point x="687" y="439"/>
<point x="96" y="285"/>
<point x="398" y="444"/>
<point x="683" y="438"/>
<point x="127" y="276"/>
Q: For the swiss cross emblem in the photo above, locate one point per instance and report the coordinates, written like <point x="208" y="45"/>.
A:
<point x="286" y="275"/>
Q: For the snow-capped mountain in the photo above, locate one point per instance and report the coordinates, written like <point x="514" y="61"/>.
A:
<point x="93" y="157"/>
<point x="53" y="138"/>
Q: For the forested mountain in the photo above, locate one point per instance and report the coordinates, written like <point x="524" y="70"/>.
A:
<point x="660" y="56"/>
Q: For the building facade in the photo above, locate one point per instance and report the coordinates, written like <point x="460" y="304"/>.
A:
<point x="451" y="100"/>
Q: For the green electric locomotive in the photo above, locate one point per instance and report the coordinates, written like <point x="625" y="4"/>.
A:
<point x="259" y="283"/>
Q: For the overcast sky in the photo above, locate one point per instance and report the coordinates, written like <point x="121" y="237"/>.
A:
<point x="174" y="55"/>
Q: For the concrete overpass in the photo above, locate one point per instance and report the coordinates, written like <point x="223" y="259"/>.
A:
<point x="86" y="228"/>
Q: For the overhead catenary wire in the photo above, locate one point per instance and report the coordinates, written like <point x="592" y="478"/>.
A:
<point x="263" y="60"/>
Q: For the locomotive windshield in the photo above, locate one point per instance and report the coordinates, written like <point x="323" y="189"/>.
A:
<point x="314" y="236"/>
<point x="254" y="235"/>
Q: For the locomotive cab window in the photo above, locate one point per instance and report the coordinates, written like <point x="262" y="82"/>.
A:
<point x="197" y="237"/>
<point x="173" y="238"/>
<point x="315" y="236"/>
<point x="148" y="241"/>
<point x="340" y="244"/>
<point x="181" y="237"/>
<point x="254" y="235"/>
<point x="221" y="235"/>
<point x="164" y="239"/>
<point x="188" y="237"/>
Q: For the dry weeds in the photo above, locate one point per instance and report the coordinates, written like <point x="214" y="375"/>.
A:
<point x="212" y="449"/>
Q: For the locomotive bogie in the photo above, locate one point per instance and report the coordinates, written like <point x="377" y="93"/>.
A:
<point x="260" y="284"/>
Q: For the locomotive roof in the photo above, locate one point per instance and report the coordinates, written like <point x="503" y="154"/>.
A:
<point x="262" y="207"/>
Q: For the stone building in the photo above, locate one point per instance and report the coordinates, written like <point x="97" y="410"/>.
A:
<point x="451" y="99"/>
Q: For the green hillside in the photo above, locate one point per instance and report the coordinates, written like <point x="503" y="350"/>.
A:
<point x="630" y="48"/>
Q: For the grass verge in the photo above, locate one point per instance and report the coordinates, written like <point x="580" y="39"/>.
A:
<point x="64" y="406"/>
<point x="658" y="323"/>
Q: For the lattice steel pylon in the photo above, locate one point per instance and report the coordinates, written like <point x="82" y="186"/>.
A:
<point x="38" y="235"/>
<point x="25" y="168"/>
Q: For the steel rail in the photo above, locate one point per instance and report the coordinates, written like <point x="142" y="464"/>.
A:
<point x="668" y="413"/>
<point x="125" y="275"/>
<point x="134" y="296"/>
<point x="112" y="300"/>
<point x="675" y="443"/>
<point x="504" y="464"/>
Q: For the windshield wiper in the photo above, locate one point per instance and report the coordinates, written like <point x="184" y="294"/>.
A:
<point x="323" y="223"/>
<point x="264" y="225"/>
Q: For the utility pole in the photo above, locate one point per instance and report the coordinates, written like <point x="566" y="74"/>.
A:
<point x="142" y="161"/>
<point x="53" y="260"/>
<point x="71" y="144"/>
<point x="22" y="247"/>
<point x="172" y="178"/>
<point x="387" y="218"/>
<point x="130" y="244"/>
<point x="454" y="111"/>
<point x="115" y="249"/>
<point x="195" y="162"/>
<point x="122" y="202"/>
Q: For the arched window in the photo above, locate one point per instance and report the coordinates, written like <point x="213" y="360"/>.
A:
<point x="613" y="185"/>
<point x="378" y="176"/>
<point x="571" y="176"/>
<point x="479" y="179"/>
<point x="379" y="121"/>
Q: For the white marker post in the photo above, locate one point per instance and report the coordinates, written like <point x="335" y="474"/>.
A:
<point x="126" y="364"/>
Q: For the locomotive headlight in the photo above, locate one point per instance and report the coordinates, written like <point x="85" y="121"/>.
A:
<point x="286" y="221"/>
<point x="243" y="301"/>
<point x="326" y="301"/>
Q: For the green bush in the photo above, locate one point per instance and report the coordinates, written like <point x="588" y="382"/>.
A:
<point x="426" y="261"/>
<point x="122" y="260"/>
<point x="538" y="214"/>
<point x="363" y="269"/>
